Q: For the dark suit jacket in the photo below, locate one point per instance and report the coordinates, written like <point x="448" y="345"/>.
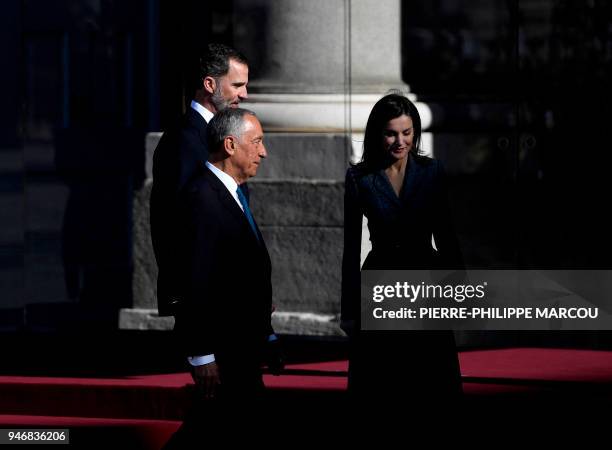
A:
<point x="181" y="151"/>
<point x="224" y="276"/>
<point x="400" y="227"/>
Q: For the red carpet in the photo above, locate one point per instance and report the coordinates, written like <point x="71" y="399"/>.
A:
<point x="539" y="364"/>
<point x="163" y="396"/>
<point x="523" y="372"/>
<point x="150" y="406"/>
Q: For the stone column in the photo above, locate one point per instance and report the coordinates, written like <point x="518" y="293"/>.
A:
<point x="320" y="65"/>
<point x="321" y="46"/>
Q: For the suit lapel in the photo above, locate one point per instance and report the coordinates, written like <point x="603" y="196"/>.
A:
<point x="412" y="180"/>
<point x="197" y="121"/>
<point x="226" y="199"/>
<point x="383" y="185"/>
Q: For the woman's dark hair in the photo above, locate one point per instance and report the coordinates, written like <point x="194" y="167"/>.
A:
<point x="389" y="107"/>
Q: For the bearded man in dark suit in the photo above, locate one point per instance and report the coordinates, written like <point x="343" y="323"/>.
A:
<point x="221" y="82"/>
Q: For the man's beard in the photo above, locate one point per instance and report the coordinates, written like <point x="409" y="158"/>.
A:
<point x="218" y="100"/>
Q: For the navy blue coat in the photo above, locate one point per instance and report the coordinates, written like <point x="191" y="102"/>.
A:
<point x="224" y="275"/>
<point x="401" y="228"/>
<point x="179" y="153"/>
<point x="412" y="366"/>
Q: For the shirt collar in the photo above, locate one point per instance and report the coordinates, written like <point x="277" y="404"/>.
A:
<point x="227" y="180"/>
<point x="205" y="113"/>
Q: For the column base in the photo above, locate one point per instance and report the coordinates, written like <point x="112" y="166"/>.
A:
<point x="320" y="113"/>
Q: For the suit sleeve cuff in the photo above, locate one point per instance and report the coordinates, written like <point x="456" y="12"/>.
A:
<point x="201" y="360"/>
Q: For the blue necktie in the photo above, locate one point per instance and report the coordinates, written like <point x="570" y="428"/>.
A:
<point x="247" y="211"/>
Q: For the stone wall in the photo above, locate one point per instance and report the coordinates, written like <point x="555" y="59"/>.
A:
<point x="297" y="200"/>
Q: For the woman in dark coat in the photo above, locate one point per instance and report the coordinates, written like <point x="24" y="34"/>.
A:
<point x="403" y="196"/>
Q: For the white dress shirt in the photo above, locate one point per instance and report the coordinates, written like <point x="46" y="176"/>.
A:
<point x="206" y="114"/>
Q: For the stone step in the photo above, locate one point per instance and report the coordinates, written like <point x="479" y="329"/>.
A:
<point x="284" y="322"/>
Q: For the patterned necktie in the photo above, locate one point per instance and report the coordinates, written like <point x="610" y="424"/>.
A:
<point x="247" y="211"/>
